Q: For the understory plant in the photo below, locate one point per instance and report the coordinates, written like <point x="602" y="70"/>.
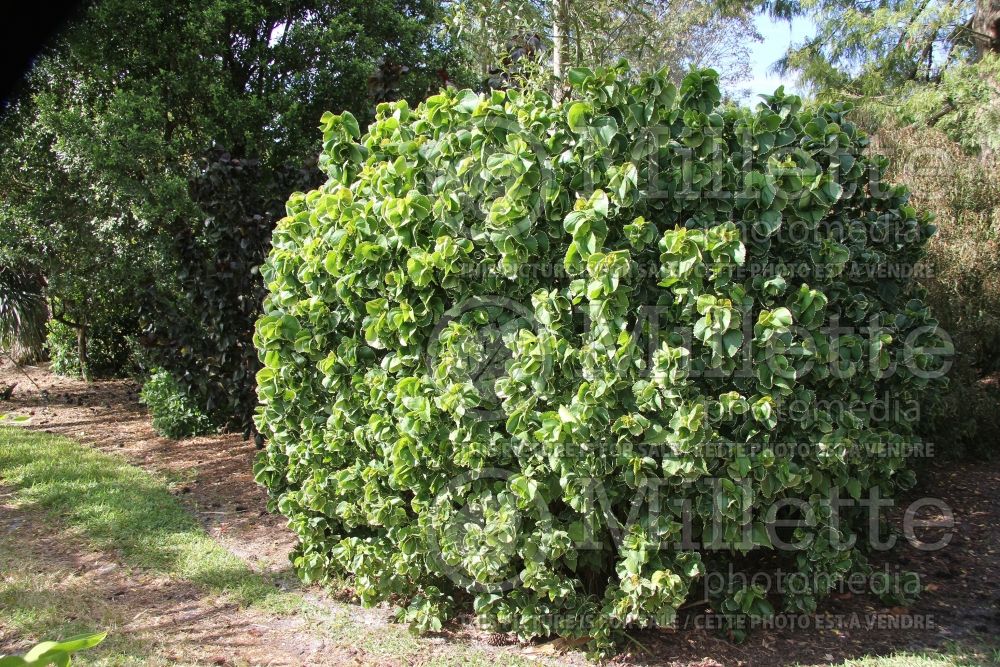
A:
<point x="560" y="362"/>
<point x="23" y="314"/>
<point x="111" y="349"/>
<point x="175" y="413"/>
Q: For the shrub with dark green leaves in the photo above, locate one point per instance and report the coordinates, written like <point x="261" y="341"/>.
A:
<point x="559" y="361"/>
<point x="175" y="414"/>
<point x="200" y="325"/>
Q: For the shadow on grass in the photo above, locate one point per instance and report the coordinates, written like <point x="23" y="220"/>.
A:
<point x="118" y="507"/>
<point x="44" y="595"/>
<point x="122" y="508"/>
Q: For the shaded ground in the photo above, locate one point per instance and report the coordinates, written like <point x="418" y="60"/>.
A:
<point x="57" y="578"/>
<point x="960" y="607"/>
<point x="214" y="472"/>
<point x="90" y="542"/>
<point x="960" y="603"/>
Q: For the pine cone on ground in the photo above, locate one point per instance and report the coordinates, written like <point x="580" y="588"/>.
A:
<point x="501" y="639"/>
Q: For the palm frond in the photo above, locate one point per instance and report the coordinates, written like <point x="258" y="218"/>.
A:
<point x="23" y="313"/>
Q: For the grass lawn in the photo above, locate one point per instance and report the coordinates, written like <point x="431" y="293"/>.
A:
<point x="117" y="506"/>
<point x="955" y="655"/>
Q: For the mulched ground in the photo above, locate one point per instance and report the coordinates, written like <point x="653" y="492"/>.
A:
<point x="961" y="601"/>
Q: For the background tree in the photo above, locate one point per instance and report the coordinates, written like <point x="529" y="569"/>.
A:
<point x="59" y="227"/>
<point x="986" y="26"/>
<point x="101" y="144"/>
<point x="866" y="49"/>
<point x="650" y="34"/>
<point x="927" y="62"/>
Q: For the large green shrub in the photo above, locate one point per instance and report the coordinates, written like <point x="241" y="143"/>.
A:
<point x="199" y="326"/>
<point x="556" y="361"/>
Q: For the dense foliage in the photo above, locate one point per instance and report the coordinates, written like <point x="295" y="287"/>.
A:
<point x="206" y="342"/>
<point x="560" y="360"/>
<point x="174" y="412"/>
<point x="97" y="150"/>
<point x="964" y="104"/>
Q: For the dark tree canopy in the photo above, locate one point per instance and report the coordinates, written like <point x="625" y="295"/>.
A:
<point x="100" y="147"/>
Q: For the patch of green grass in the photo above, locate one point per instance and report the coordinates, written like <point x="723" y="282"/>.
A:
<point x="119" y="507"/>
<point x="952" y="655"/>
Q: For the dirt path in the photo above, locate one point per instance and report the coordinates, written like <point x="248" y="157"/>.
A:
<point x="161" y="619"/>
<point x="961" y="602"/>
<point x="215" y="470"/>
<point x="170" y="621"/>
<point x="172" y="616"/>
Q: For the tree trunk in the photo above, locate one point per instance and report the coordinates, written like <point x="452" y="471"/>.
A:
<point x="560" y="34"/>
<point x="986" y="26"/>
<point x="81" y="352"/>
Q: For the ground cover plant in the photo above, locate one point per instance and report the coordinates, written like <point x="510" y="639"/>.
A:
<point x="175" y="414"/>
<point x="678" y="317"/>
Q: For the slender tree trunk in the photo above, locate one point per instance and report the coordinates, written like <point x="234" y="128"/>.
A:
<point x="485" y="57"/>
<point x="560" y="35"/>
<point x="986" y="24"/>
<point x="81" y="352"/>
